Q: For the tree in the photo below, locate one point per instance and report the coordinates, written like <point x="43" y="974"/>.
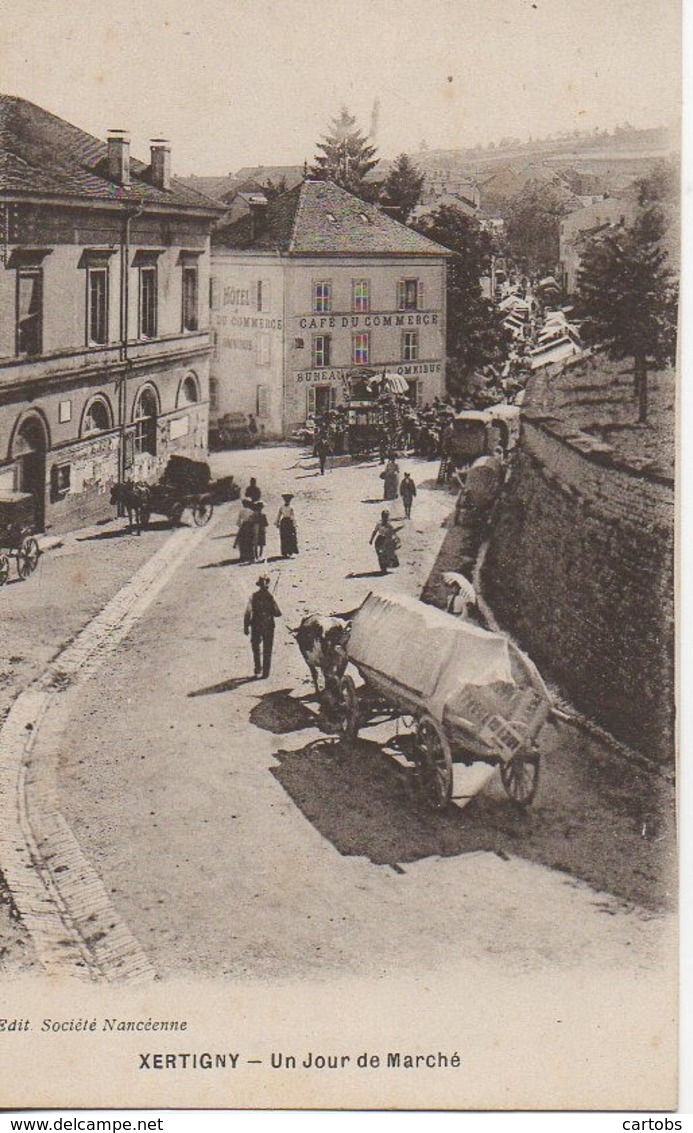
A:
<point x="476" y="336"/>
<point x="273" y="190"/>
<point x="532" y="223"/>
<point x="346" y="156"/>
<point x="403" y="187"/>
<point x="628" y="299"/>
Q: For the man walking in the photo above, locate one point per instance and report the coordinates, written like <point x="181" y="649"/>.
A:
<point x="322" y="449"/>
<point x="259" y="623"/>
<point x="407" y="491"/>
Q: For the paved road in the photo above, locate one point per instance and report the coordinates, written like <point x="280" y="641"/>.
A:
<point x="235" y="837"/>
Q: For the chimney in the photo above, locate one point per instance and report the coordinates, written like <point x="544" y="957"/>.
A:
<point x="119" y="156"/>
<point x="258" y="210"/>
<point x="160" y="151"/>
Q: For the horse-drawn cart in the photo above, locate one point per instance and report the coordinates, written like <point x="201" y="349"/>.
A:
<point x="17" y="529"/>
<point x="185" y="484"/>
<point x="473" y="696"/>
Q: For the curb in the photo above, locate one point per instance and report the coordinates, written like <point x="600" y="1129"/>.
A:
<point x="58" y="895"/>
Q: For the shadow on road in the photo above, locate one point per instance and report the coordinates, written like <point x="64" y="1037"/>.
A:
<point x="365" y="574"/>
<point x="279" y="712"/>
<point x="223" y="686"/>
<point x="366" y="803"/>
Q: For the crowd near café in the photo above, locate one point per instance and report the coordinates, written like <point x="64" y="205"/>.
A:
<point x="311" y="288"/>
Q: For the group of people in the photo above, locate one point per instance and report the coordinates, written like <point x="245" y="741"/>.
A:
<point x="251" y="536"/>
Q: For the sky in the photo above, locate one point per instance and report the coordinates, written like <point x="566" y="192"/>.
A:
<point x="248" y="82"/>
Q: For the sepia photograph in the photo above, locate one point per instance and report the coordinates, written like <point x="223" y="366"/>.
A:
<point x="339" y="366"/>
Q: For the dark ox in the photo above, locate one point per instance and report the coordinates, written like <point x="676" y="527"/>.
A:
<point x="322" y="641"/>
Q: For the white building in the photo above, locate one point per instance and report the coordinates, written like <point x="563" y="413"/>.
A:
<point x="312" y="287"/>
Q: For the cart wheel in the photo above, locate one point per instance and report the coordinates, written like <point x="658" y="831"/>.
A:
<point x="202" y="511"/>
<point x="435" y="763"/>
<point x="347" y="709"/>
<point x="4" y="569"/>
<point x="520" y="777"/>
<point x="27" y="558"/>
<point x="176" y="514"/>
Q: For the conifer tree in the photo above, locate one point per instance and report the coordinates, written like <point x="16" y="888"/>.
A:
<point x="346" y="156"/>
<point x="403" y="187"/>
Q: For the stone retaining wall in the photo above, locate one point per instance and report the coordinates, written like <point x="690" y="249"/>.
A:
<point x="581" y="570"/>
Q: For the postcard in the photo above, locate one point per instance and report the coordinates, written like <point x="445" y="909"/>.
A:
<point x="338" y="387"/>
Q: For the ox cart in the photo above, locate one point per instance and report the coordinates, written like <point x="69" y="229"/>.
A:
<point x="17" y="528"/>
<point x="472" y="695"/>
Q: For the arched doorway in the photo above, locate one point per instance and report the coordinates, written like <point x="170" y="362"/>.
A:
<point x="29" y="450"/>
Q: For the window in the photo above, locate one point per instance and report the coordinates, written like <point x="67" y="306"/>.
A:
<point x="322" y="296"/>
<point x="145" y="422"/>
<point x="263" y="295"/>
<point x="189" y="391"/>
<point x="361" y="299"/>
<point x="320" y="399"/>
<point x="97" y="418"/>
<point x="410" y="345"/>
<point x="409" y="295"/>
<point x="29" y="311"/>
<point x="61" y="475"/>
<point x="190" y="318"/>
<point x="97" y="306"/>
<point x="361" y="348"/>
<point x="148" y="301"/>
<point x="321" y="350"/>
<point x="262" y="349"/>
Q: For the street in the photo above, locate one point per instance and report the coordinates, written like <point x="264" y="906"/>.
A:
<point x="234" y="836"/>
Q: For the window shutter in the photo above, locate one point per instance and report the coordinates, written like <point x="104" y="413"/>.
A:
<point x="263" y="401"/>
<point x="333" y="397"/>
<point x="310" y="401"/>
<point x="400" y="295"/>
<point x="420" y="295"/>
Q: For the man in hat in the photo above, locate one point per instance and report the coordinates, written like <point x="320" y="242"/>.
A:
<point x="407" y="491"/>
<point x="259" y="623"/>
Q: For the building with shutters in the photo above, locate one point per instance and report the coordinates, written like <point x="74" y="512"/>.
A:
<point x="104" y="314"/>
<point x="313" y="288"/>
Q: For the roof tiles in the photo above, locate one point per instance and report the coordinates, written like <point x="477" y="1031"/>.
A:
<point x="43" y="154"/>
<point x="320" y="218"/>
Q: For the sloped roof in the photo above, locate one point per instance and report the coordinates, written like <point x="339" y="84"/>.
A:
<point x="43" y="154"/>
<point x="320" y="218"/>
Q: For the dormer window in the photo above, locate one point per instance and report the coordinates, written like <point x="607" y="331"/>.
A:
<point x="365" y="219"/>
<point x="332" y="218"/>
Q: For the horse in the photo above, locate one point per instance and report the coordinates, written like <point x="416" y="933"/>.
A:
<point x="135" y="498"/>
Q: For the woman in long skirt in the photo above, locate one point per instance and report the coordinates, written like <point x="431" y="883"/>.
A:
<point x="286" y="522"/>
<point x="391" y="479"/>
<point x="245" y="535"/>
<point x="386" y="543"/>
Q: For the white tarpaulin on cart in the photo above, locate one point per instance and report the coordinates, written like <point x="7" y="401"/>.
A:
<point x="425" y="649"/>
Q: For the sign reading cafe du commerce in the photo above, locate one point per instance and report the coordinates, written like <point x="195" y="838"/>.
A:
<point x="330" y="322"/>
